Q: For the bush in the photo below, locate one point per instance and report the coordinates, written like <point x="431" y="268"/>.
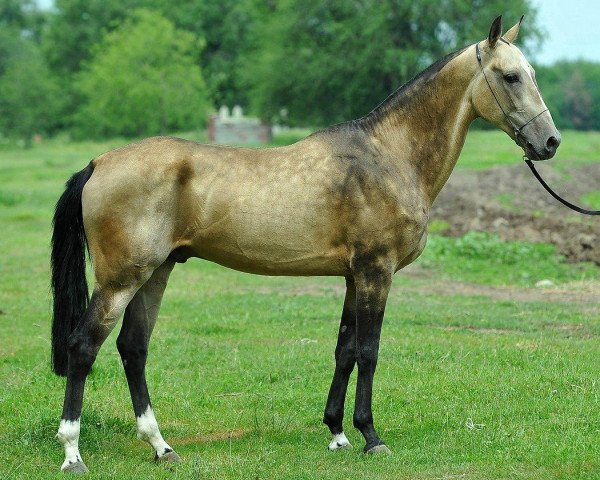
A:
<point x="142" y="80"/>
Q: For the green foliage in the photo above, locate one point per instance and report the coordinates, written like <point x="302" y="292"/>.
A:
<point x="226" y="25"/>
<point x="297" y="62"/>
<point x="438" y="226"/>
<point x="325" y="62"/>
<point x="22" y="16"/>
<point x="142" y="80"/>
<point x="571" y="90"/>
<point x="78" y="25"/>
<point x="30" y="100"/>
<point x="485" y="258"/>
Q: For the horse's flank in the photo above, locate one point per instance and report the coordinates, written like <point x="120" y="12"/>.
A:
<point x="304" y="209"/>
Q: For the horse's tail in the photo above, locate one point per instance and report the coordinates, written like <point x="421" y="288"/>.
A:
<point x="69" y="286"/>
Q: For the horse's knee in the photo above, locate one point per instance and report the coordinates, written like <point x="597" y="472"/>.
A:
<point x="345" y="359"/>
<point x="367" y="358"/>
<point x="362" y="419"/>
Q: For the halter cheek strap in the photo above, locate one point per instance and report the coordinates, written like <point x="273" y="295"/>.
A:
<point x="516" y="129"/>
<point x="529" y="163"/>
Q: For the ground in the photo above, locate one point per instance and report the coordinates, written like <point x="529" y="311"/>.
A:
<point x="482" y="375"/>
<point x="510" y="202"/>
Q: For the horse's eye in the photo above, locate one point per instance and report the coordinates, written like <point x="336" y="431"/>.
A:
<point x="511" y="78"/>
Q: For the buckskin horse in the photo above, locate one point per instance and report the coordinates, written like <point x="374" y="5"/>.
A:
<point x="351" y="200"/>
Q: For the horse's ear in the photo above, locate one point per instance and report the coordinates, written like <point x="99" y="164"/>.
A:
<point x="512" y="33"/>
<point x="495" y="31"/>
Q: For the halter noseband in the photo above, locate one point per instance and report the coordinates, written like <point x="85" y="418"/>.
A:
<point x="517" y="131"/>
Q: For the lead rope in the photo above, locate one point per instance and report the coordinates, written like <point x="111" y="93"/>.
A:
<point x="527" y="160"/>
<point x="554" y="194"/>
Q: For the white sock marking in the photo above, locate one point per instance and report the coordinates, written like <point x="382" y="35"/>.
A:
<point x="68" y="435"/>
<point x="339" y="441"/>
<point x="149" y="432"/>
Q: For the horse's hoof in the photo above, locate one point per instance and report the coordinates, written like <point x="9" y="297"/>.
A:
<point x="169" y="457"/>
<point x="379" y="449"/>
<point x="77" y="468"/>
<point x="339" y="442"/>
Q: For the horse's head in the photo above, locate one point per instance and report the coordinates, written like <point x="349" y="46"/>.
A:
<point x="506" y="94"/>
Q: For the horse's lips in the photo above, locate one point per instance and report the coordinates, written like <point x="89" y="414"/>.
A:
<point x="528" y="149"/>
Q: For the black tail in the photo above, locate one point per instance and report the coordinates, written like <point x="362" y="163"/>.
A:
<point x="69" y="286"/>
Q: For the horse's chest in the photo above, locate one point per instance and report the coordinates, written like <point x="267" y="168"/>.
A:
<point x="408" y="234"/>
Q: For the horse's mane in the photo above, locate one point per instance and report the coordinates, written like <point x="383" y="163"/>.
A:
<point x="399" y="97"/>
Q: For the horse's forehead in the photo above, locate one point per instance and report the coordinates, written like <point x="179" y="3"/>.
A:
<point x="512" y="57"/>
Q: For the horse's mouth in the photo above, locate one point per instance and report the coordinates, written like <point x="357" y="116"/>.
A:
<point x="530" y="152"/>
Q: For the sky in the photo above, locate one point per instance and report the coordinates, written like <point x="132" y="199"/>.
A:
<point x="571" y="26"/>
<point x="572" y="29"/>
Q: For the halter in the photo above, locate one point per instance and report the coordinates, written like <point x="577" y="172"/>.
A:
<point x="516" y="129"/>
<point x="518" y="134"/>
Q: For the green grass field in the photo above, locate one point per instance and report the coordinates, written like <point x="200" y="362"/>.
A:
<point x="480" y="376"/>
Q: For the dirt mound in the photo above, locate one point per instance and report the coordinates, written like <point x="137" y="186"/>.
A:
<point x="510" y="202"/>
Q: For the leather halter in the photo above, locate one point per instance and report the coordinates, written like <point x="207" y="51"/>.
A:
<point x="517" y="131"/>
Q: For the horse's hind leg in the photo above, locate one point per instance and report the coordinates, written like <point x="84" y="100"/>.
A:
<point x="105" y="308"/>
<point x="132" y="343"/>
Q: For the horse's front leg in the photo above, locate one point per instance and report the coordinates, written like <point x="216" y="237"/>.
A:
<point x="345" y="358"/>
<point x="373" y="278"/>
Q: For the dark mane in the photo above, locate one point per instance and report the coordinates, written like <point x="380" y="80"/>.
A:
<point x="399" y="97"/>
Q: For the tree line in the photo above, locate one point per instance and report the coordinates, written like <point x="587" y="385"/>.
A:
<point x="100" y="68"/>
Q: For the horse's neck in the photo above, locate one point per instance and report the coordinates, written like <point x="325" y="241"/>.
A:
<point x="429" y="131"/>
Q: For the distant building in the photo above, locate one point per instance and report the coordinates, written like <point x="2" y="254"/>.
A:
<point x="237" y="129"/>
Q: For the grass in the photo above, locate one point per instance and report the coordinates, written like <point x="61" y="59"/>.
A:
<point x="592" y="199"/>
<point x="483" y="258"/>
<point x="486" y="149"/>
<point x="468" y="386"/>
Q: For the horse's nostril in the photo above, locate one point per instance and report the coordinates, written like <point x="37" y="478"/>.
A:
<point x="552" y="143"/>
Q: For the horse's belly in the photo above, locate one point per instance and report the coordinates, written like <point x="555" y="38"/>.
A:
<point x="272" y="241"/>
<point x="241" y="253"/>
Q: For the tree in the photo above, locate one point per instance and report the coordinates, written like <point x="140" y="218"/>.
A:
<point x="142" y="80"/>
<point x="30" y="102"/>
<point x="329" y="61"/>
<point x="570" y="90"/>
<point x="77" y="25"/>
<point x="578" y="101"/>
<point x="227" y="26"/>
<point x="23" y="16"/>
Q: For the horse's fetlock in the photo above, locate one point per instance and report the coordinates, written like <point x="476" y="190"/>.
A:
<point x="331" y="418"/>
<point x="362" y="420"/>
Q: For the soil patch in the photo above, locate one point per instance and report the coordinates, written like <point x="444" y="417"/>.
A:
<point x="510" y="202"/>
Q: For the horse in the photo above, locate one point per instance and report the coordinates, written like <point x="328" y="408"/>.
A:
<point x="351" y="200"/>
